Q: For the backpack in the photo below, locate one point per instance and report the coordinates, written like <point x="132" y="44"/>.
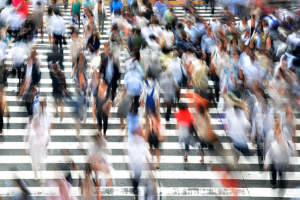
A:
<point x="150" y="103"/>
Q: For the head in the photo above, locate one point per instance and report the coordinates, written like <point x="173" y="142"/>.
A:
<point x="106" y="47"/>
<point x="208" y="30"/>
<point x="189" y="23"/>
<point x="115" y="29"/>
<point x="56" y="11"/>
<point x="75" y="35"/>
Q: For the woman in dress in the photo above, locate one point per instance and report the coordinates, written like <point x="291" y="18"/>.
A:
<point x="38" y="142"/>
<point x="123" y="101"/>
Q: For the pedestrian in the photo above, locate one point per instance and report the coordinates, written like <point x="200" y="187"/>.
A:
<point x="58" y="28"/>
<point x="184" y="122"/>
<point x="101" y="106"/>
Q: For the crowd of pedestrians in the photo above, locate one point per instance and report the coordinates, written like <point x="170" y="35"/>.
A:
<point x="244" y="64"/>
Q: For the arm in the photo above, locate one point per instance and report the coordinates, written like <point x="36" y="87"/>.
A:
<point x="71" y="9"/>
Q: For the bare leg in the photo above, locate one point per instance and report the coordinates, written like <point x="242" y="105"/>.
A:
<point x="158" y="157"/>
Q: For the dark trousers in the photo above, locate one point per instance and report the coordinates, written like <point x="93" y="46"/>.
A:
<point x="212" y="5"/>
<point x="216" y="80"/>
<point x="103" y="118"/>
<point x="18" y="68"/>
<point x="37" y="32"/>
<point x="273" y="181"/>
<point x="168" y="113"/>
<point x="14" y="33"/>
<point x="58" y="40"/>
<point x="136" y="101"/>
<point x="135" y="182"/>
<point x="1" y="123"/>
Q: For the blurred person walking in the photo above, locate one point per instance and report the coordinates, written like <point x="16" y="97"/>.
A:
<point x="101" y="106"/>
<point x="184" y="122"/>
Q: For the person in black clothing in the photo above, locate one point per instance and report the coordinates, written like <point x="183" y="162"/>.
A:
<point x="149" y="11"/>
<point x="29" y="88"/>
<point x="57" y="92"/>
<point x="184" y="45"/>
<point x="93" y="44"/>
<point x="110" y="71"/>
<point x="56" y="57"/>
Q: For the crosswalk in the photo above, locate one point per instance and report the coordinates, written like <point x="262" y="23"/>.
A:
<point x="175" y="182"/>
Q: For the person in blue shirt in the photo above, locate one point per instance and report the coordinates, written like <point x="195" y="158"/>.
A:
<point x="81" y="89"/>
<point x="161" y="8"/>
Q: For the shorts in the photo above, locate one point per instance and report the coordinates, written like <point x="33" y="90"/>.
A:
<point x="153" y="141"/>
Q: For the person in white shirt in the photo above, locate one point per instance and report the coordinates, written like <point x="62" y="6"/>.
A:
<point x="253" y="71"/>
<point x="18" y="53"/>
<point x="137" y="151"/>
<point x="293" y="40"/>
<point x="38" y="142"/>
<point x="15" y="24"/>
<point x="237" y="124"/>
<point x="278" y="154"/>
<point x="58" y="27"/>
<point x="191" y="31"/>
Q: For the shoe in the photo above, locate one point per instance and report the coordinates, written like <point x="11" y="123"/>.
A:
<point x="157" y="167"/>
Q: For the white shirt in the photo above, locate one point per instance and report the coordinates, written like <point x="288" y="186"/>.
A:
<point x="148" y="89"/>
<point x="57" y="24"/>
<point x="237" y="126"/>
<point x="168" y="35"/>
<point x="278" y="154"/>
<point x="19" y="52"/>
<point x="253" y="71"/>
<point x="3" y="47"/>
<point x="6" y="12"/>
<point x="14" y="21"/>
<point x="293" y="40"/>
<point x="157" y="31"/>
<point x="175" y="66"/>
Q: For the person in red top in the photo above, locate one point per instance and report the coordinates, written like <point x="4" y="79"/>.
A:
<point x="21" y="7"/>
<point x="184" y="121"/>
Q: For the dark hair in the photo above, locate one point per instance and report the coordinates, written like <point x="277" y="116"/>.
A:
<point x="198" y="54"/>
<point x="152" y="37"/>
<point x="168" y="27"/>
<point x="136" y="54"/>
<point x="38" y="3"/>
<point x="50" y="10"/>
<point x="88" y="168"/>
<point x="183" y="34"/>
<point x="149" y="5"/>
<point x="182" y="105"/>
<point x="115" y="27"/>
<point x="56" y="11"/>
<point x="134" y="109"/>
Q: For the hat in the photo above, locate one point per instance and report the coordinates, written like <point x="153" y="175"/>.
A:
<point x="233" y="100"/>
<point x="201" y="102"/>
